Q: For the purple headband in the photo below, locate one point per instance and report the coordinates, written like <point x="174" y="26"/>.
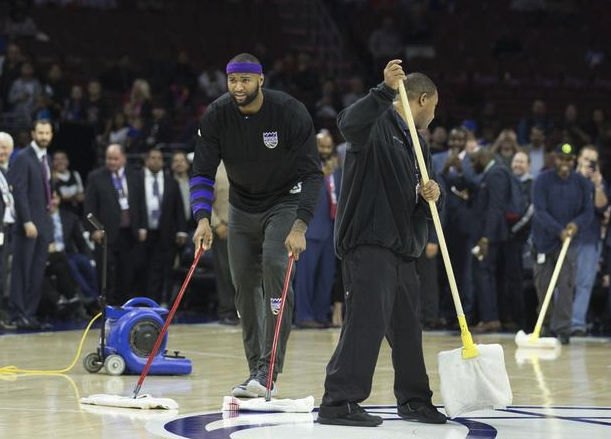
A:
<point x="244" y="67"/>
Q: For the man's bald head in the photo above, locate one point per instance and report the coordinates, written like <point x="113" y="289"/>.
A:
<point x="115" y="157"/>
<point x="6" y="148"/>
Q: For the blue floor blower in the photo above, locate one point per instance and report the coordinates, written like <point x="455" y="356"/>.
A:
<point x="129" y="333"/>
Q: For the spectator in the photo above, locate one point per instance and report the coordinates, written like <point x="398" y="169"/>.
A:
<point x="563" y="208"/>
<point x="316" y="269"/>
<point x="590" y="245"/>
<point x="505" y="147"/>
<point x="30" y="176"/>
<point x="24" y="93"/>
<point x="167" y="229"/>
<point x="212" y="82"/>
<point x="74" y="107"/>
<point x="512" y="294"/>
<point x="537" y="116"/>
<point x="139" y="103"/>
<point x="536" y="150"/>
<point x="439" y="139"/>
<point x="160" y="131"/>
<point x="118" y="129"/>
<point x="56" y="89"/>
<point x="115" y="196"/>
<point x="596" y="123"/>
<point x="96" y="107"/>
<point x="385" y="43"/>
<point x="7" y="217"/>
<point x="490" y="205"/>
<point x="68" y="183"/>
<point x="10" y="69"/>
<point x="571" y="125"/>
<point x="180" y="171"/>
<point x="419" y="33"/>
<point x="356" y="91"/>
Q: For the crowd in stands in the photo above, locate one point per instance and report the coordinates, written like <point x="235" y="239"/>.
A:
<point x="143" y="124"/>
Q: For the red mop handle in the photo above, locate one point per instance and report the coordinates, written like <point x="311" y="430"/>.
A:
<point x="287" y="279"/>
<point x="167" y="322"/>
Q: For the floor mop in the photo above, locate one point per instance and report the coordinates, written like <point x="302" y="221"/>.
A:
<point x="145" y="401"/>
<point x="533" y="340"/>
<point x="302" y="405"/>
<point x="472" y="377"/>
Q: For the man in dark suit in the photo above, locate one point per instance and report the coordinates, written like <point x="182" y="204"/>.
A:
<point x="167" y="228"/>
<point x="115" y="196"/>
<point x="7" y="217"/>
<point x="490" y="206"/>
<point x="30" y="177"/>
<point x="316" y="268"/>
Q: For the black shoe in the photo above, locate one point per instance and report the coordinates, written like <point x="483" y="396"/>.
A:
<point x="422" y="412"/>
<point x="564" y="338"/>
<point x="7" y="326"/>
<point x="229" y="321"/>
<point x="350" y="414"/>
<point x="65" y="307"/>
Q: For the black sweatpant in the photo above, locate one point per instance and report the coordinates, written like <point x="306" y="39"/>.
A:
<point x="382" y="299"/>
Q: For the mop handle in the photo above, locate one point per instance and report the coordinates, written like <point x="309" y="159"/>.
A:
<point x="167" y="322"/>
<point x="550" y="289"/>
<point x="270" y="373"/>
<point x="469" y="349"/>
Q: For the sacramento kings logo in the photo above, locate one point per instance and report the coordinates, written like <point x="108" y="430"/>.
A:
<point x="271" y="139"/>
<point x="275" y="303"/>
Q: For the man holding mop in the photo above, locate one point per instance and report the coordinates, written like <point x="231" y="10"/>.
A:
<point x="381" y="228"/>
<point x="267" y="142"/>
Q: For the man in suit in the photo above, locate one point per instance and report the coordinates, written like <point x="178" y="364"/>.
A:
<point x="490" y="205"/>
<point x="33" y="231"/>
<point x="167" y="227"/>
<point x="316" y="269"/>
<point x="115" y="196"/>
<point x="7" y="216"/>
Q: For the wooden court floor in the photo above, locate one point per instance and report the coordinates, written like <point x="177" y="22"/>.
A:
<point x="46" y="406"/>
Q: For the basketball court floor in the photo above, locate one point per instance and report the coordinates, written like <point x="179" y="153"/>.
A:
<point x="557" y="395"/>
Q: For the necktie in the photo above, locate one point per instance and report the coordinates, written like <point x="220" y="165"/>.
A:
<point x="156" y="213"/>
<point x="118" y="182"/>
<point x="330" y="183"/>
<point x="45" y="176"/>
<point x="58" y="233"/>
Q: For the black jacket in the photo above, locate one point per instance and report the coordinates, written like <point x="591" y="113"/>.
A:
<point x="378" y="204"/>
<point x="102" y="200"/>
<point x="73" y="233"/>
<point x="491" y="204"/>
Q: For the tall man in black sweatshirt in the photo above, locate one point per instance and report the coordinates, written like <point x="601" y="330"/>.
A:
<point x="381" y="228"/>
<point x="267" y="141"/>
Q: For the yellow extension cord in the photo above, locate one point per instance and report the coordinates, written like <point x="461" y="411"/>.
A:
<point x="14" y="370"/>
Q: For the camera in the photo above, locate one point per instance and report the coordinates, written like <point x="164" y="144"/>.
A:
<point x="592" y="165"/>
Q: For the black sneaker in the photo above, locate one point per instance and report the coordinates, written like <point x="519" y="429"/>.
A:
<point x="241" y="391"/>
<point x="351" y="414"/>
<point x="422" y="412"/>
<point x="258" y="385"/>
<point x="564" y="338"/>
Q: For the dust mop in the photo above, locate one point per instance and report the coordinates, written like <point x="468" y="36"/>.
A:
<point x="147" y="401"/>
<point x="302" y="405"/>
<point x="533" y="340"/>
<point x="472" y="377"/>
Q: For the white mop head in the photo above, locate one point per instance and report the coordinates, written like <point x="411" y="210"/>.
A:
<point x="475" y="383"/>
<point x="523" y="340"/>
<point x="141" y="402"/>
<point x="302" y="405"/>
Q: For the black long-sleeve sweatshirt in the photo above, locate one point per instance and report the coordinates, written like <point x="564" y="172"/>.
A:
<point x="378" y="203"/>
<point x="270" y="156"/>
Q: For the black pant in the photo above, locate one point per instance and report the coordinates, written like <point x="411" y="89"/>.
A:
<point x="152" y="277"/>
<point x="429" y="288"/>
<point x="123" y="257"/>
<point x="382" y="299"/>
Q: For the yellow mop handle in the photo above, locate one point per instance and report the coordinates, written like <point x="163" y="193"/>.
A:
<point x="550" y="289"/>
<point x="469" y="349"/>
